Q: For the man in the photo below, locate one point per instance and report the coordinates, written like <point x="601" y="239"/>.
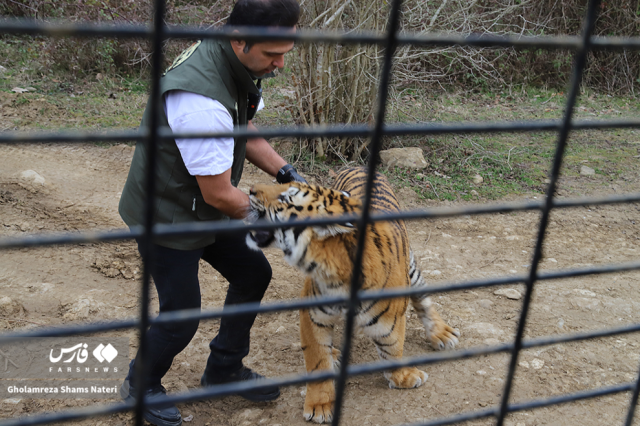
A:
<point x="209" y="88"/>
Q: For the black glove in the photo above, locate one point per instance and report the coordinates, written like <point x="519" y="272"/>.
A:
<point x="289" y="174"/>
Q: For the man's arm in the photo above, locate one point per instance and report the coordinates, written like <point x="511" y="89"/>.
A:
<point x="218" y="192"/>
<point x="261" y="154"/>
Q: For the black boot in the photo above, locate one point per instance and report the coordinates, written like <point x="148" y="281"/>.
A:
<point x="159" y="415"/>
<point x="257" y="395"/>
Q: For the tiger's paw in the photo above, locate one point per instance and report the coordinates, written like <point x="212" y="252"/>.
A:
<point x="406" y="378"/>
<point x="318" y="404"/>
<point x="441" y="336"/>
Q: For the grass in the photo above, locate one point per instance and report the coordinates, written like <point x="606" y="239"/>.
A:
<point x="509" y="164"/>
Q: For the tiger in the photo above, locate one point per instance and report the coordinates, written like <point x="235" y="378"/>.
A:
<point x="325" y="254"/>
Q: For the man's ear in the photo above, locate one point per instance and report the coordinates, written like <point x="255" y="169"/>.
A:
<point x="238" y="44"/>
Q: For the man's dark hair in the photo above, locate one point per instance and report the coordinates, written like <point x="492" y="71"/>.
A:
<point x="265" y="13"/>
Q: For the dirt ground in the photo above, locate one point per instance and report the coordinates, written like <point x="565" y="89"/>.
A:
<point x="91" y="282"/>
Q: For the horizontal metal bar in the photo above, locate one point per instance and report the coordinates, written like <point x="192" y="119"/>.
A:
<point x="125" y="30"/>
<point x="56" y="238"/>
<point x="67" y="415"/>
<point x="46" y="239"/>
<point x="571" y="397"/>
<point x="458" y="418"/>
<point x="585" y="335"/>
<point x="357" y="130"/>
<point x="356" y="370"/>
<point x="195" y="395"/>
<point x="527" y="405"/>
<point x="251" y="308"/>
<point x="68" y="330"/>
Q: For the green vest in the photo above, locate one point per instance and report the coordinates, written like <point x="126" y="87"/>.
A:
<point x="212" y="69"/>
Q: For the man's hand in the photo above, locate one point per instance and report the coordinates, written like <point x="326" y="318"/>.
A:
<point x="289" y="174"/>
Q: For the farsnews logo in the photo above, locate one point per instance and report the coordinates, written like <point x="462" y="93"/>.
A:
<point x="105" y="353"/>
<point x="80" y="354"/>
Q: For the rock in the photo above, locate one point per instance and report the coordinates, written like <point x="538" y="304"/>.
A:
<point x="486" y="329"/>
<point x="587" y="171"/>
<point x="537" y="363"/>
<point x="10" y="308"/>
<point x="582" y="292"/>
<point x="474" y="192"/>
<point x="2" y="69"/>
<point x="523" y="364"/>
<point x="477" y="179"/>
<point x="82" y="308"/>
<point x="403" y="157"/>
<point x="486" y="304"/>
<point x="12" y="400"/>
<point x="250" y="414"/>
<point x="435" y="273"/>
<point x="280" y="329"/>
<point x="32" y="177"/>
<point x="509" y="293"/>
<point x="188" y="418"/>
<point x="585" y="303"/>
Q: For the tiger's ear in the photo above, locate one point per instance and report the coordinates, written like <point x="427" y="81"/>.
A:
<point x="332" y="230"/>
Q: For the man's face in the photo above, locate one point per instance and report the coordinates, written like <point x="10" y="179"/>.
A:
<point x="262" y="58"/>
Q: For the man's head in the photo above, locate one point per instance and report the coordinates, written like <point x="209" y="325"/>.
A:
<point x="263" y="57"/>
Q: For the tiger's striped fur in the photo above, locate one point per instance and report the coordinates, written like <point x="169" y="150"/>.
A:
<point x="326" y="254"/>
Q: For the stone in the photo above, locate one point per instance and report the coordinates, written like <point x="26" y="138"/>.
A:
<point x="403" y="157"/>
<point x="509" y="293"/>
<point x="587" y="171"/>
<point x="477" y="179"/>
<point x="32" y="177"/>
<point x="474" y="192"/>
<point x="523" y="364"/>
<point x="486" y="304"/>
<point x="537" y="363"/>
<point x="280" y="329"/>
<point x="588" y="304"/>
<point x="583" y="292"/>
<point x="250" y="413"/>
<point x="486" y="329"/>
<point x="82" y="308"/>
<point x="11" y="308"/>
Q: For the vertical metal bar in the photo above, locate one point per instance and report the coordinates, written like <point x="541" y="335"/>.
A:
<point x="634" y="401"/>
<point x="563" y="135"/>
<point x="374" y="148"/>
<point x="146" y="245"/>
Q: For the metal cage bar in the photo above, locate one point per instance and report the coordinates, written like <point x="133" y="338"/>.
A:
<point x="563" y="136"/>
<point x="158" y="32"/>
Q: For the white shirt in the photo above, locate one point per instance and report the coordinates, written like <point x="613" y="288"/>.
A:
<point x="190" y="112"/>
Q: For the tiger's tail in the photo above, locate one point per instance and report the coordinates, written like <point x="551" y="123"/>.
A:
<point x="439" y="334"/>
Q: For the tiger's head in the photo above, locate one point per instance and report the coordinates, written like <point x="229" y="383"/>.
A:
<point x="297" y="201"/>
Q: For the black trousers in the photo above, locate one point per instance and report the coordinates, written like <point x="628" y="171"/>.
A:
<point x="175" y="274"/>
